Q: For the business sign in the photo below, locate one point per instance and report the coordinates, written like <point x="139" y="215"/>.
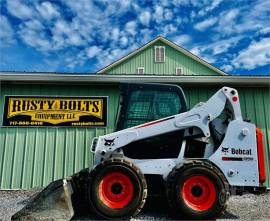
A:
<point x="55" y="111"/>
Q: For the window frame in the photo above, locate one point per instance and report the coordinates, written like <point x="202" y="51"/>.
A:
<point x="179" y="68"/>
<point x="126" y="90"/>
<point x="155" y="57"/>
<point x="137" y="70"/>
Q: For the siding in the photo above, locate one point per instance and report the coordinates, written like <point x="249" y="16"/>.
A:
<point x="32" y="157"/>
<point x="173" y="59"/>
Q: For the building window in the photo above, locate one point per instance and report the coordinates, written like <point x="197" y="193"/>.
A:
<point x="159" y="54"/>
<point x="140" y="70"/>
<point x="179" y="71"/>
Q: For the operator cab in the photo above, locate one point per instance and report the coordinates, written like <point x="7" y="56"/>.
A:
<point x="142" y="103"/>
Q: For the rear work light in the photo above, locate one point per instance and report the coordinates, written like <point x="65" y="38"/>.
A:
<point x="261" y="166"/>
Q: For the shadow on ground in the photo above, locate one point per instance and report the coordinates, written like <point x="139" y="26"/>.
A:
<point x="156" y="208"/>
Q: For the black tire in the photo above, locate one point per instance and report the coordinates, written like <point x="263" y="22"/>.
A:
<point x="114" y="179"/>
<point x="197" y="190"/>
<point x="79" y="199"/>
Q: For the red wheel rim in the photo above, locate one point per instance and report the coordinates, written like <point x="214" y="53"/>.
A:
<point x="199" y="193"/>
<point x="116" y="190"/>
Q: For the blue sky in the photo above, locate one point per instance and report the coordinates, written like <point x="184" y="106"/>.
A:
<point x="84" y="35"/>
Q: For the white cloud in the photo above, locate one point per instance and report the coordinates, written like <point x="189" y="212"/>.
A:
<point x="194" y="3"/>
<point x="145" y="17"/>
<point x="211" y="51"/>
<point x="182" y="39"/>
<point x="75" y="39"/>
<point x="222" y="46"/>
<point x="265" y="30"/>
<point x="93" y="51"/>
<point x="19" y="10"/>
<point x="257" y="54"/>
<point x="201" y="26"/>
<point x="145" y="36"/>
<point x="245" y="18"/>
<point x="62" y="27"/>
<point x="131" y="27"/>
<point x="158" y="14"/>
<point x="47" y="10"/>
<point x="214" y="4"/>
<point x="123" y="41"/>
<point x="227" y="67"/>
<point x="229" y="15"/>
<point x="196" y="50"/>
<point x="228" y="23"/>
<point x="35" y="39"/>
<point x="168" y="15"/>
<point x="217" y="47"/>
<point x="169" y="29"/>
<point x="33" y="24"/>
<point x="115" y="34"/>
<point x="6" y="32"/>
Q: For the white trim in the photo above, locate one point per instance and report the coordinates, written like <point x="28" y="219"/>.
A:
<point x="173" y="45"/>
<point x="85" y="78"/>
<point x="142" y="68"/>
<point x="155" y="57"/>
<point x="179" y="68"/>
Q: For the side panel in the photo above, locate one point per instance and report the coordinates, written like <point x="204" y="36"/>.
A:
<point x="237" y="155"/>
<point x="255" y="106"/>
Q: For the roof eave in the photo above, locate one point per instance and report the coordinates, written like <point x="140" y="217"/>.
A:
<point x="112" y="79"/>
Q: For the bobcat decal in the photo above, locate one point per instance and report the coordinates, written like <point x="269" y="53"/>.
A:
<point x="109" y="142"/>
<point x="225" y="150"/>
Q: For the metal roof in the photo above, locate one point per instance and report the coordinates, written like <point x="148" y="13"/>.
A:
<point x="166" y="41"/>
<point x="19" y="77"/>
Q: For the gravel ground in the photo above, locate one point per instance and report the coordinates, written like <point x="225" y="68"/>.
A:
<point x="246" y="207"/>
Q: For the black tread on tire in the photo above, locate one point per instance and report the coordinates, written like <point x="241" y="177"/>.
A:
<point x="183" y="172"/>
<point x="79" y="199"/>
<point x="135" y="176"/>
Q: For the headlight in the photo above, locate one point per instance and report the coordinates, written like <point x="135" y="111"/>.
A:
<point x="94" y="144"/>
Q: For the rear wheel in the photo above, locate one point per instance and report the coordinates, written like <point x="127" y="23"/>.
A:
<point x="117" y="189"/>
<point x="197" y="190"/>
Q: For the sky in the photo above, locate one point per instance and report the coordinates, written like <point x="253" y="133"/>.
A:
<point x="84" y="36"/>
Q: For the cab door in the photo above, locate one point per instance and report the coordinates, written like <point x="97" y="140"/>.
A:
<point x="142" y="103"/>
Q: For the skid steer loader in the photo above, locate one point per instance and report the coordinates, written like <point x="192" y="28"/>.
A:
<point x="197" y="158"/>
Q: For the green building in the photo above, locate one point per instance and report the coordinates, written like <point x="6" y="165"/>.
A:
<point x="34" y="156"/>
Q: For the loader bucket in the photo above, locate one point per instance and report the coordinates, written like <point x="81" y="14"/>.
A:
<point x="52" y="203"/>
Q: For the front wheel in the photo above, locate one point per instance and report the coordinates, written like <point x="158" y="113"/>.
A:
<point x="117" y="189"/>
<point x="197" y="190"/>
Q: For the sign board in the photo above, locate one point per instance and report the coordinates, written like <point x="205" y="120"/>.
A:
<point x="55" y="111"/>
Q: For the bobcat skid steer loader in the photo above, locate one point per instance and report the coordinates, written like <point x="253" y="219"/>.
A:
<point x="196" y="157"/>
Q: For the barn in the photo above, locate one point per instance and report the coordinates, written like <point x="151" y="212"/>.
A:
<point x="35" y="150"/>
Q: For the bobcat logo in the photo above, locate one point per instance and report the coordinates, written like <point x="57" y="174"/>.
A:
<point x="225" y="150"/>
<point x="109" y="142"/>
